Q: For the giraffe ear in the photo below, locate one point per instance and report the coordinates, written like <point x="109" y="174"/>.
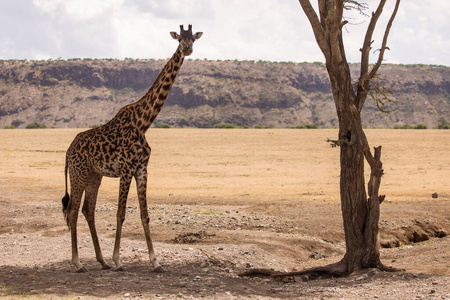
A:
<point x="175" y="35"/>
<point x="198" y="35"/>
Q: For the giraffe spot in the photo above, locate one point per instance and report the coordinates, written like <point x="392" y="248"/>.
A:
<point x="158" y="105"/>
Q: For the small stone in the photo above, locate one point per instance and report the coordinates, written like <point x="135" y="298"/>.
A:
<point x="305" y="278"/>
<point x="434" y="195"/>
<point x="127" y="295"/>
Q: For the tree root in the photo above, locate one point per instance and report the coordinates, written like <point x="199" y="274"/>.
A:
<point x="384" y="268"/>
<point x="338" y="269"/>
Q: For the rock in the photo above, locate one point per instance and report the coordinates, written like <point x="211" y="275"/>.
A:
<point x="434" y="195"/>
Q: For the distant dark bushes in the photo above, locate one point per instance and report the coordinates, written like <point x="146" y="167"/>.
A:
<point x="35" y="126"/>
<point x="306" y="126"/>
<point x="418" y="126"/>
<point x="443" y="124"/>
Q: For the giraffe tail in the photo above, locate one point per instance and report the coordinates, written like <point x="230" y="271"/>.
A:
<point x="65" y="200"/>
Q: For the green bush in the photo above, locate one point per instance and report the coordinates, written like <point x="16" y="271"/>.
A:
<point x="421" y="126"/>
<point x="443" y="124"/>
<point x="418" y="126"/>
<point x="225" y="125"/>
<point x="306" y="126"/>
<point x="402" y="127"/>
<point x="162" y="125"/>
<point x="17" y="123"/>
<point x="35" y="126"/>
<point x="9" y="127"/>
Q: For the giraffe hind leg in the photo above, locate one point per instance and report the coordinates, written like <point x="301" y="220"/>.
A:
<point x="72" y="218"/>
<point x="88" y="210"/>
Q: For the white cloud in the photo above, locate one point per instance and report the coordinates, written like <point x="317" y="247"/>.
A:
<point x="234" y="29"/>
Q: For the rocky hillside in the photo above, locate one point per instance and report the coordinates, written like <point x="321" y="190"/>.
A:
<point x="88" y="92"/>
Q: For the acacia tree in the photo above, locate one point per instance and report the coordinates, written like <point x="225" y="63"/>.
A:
<point x="360" y="209"/>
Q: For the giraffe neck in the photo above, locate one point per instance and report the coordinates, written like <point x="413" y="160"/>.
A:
<point x="149" y="106"/>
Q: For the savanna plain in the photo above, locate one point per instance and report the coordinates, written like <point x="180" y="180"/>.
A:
<point x="222" y="201"/>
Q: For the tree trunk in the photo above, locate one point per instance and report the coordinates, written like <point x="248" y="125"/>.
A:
<point x="360" y="214"/>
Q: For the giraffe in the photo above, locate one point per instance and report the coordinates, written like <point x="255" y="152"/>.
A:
<point x="119" y="149"/>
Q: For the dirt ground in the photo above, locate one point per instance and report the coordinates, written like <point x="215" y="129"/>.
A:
<point x="223" y="201"/>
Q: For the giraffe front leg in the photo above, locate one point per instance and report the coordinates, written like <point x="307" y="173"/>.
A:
<point x="141" y="182"/>
<point x="125" y="182"/>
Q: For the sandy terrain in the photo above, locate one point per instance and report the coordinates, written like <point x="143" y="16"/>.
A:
<point x="223" y="201"/>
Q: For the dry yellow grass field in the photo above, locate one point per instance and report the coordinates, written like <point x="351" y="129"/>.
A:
<point x="222" y="201"/>
<point x="217" y="166"/>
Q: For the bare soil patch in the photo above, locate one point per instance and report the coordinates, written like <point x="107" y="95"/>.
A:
<point x="222" y="202"/>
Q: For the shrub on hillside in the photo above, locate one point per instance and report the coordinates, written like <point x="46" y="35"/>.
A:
<point x="225" y="125"/>
<point x="443" y="124"/>
<point x="35" y="126"/>
<point x="418" y="126"/>
<point x="162" y="125"/>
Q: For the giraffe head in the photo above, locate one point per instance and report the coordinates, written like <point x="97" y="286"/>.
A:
<point x="186" y="39"/>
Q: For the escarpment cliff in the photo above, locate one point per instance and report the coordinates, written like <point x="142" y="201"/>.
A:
<point x="88" y="92"/>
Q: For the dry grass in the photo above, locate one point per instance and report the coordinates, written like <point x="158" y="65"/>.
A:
<point x="263" y="198"/>
<point x="225" y="166"/>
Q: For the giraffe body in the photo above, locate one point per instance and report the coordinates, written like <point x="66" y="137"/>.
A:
<point x="119" y="149"/>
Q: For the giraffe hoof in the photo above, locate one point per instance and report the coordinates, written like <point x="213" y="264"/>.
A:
<point x="119" y="269"/>
<point x="82" y="270"/>
<point x="106" y="267"/>
<point x="158" y="269"/>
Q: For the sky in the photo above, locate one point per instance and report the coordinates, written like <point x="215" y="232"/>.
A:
<point x="271" y="30"/>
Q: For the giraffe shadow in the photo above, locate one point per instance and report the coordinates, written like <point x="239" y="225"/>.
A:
<point x="195" y="277"/>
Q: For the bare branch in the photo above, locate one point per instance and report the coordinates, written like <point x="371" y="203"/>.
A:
<point x="318" y="30"/>
<point x="356" y="5"/>
<point x="385" y="37"/>
<point x="365" y="50"/>
<point x="338" y="52"/>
